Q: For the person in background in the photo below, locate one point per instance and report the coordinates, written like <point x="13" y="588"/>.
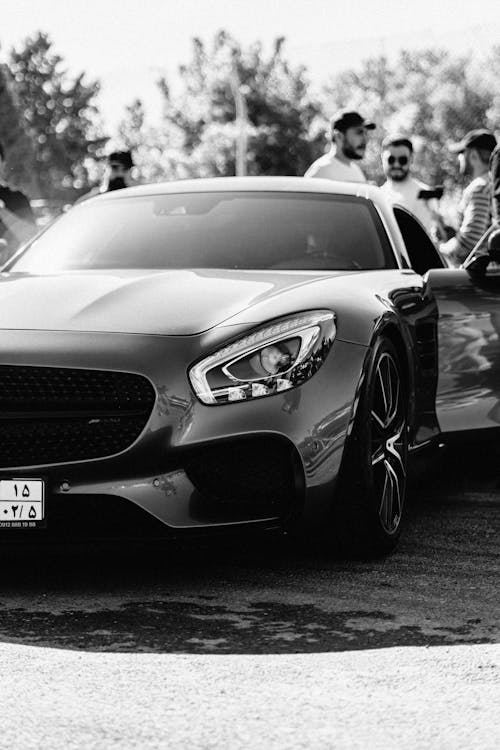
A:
<point x="17" y="221"/>
<point x="349" y="135"/>
<point x="117" y="175"/>
<point x="491" y="251"/>
<point x="401" y="187"/>
<point x="474" y="153"/>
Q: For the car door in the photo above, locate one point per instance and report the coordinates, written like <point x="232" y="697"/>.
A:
<point x="468" y="387"/>
<point x="468" y="390"/>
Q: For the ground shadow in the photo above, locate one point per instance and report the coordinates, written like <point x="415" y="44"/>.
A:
<point x="263" y="595"/>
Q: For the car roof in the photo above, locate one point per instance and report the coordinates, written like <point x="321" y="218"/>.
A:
<point x="257" y="184"/>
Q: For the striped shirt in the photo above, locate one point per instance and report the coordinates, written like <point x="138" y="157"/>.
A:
<point x="474" y="219"/>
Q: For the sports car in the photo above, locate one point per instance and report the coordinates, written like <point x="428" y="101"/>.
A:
<point x="236" y="352"/>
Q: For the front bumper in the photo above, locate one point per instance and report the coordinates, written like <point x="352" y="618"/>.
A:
<point x="198" y="466"/>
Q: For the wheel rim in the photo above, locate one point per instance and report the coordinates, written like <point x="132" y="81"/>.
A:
<point x="388" y="443"/>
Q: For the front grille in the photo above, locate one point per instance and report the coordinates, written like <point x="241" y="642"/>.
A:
<point x="56" y="415"/>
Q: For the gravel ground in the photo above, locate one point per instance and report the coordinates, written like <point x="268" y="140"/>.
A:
<point x="444" y="697"/>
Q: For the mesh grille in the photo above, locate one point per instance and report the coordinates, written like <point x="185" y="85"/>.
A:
<point x="61" y="389"/>
<point x="55" y="415"/>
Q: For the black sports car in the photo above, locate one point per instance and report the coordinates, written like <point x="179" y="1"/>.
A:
<point x="240" y="351"/>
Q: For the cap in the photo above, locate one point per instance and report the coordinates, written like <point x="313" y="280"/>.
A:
<point x="475" y="139"/>
<point x="344" y="119"/>
<point x="121" y="157"/>
<point x="397" y="139"/>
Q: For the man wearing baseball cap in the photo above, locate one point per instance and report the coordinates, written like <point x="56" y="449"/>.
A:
<point x="474" y="152"/>
<point x="349" y="135"/>
<point x="117" y="174"/>
<point x="120" y="164"/>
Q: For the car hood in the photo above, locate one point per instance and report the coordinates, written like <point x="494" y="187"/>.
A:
<point x="149" y="302"/>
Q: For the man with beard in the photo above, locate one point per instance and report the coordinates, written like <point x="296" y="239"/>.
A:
<point x="349" y="134"/>
<point x="401" y="187"/>
<point x="117" y="175"/>
<point x="474" y="153"/>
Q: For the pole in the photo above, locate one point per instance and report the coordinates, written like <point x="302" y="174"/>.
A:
<point x="241" y="123"/>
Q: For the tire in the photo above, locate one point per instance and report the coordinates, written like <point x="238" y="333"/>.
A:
<point x="368" y="512"/>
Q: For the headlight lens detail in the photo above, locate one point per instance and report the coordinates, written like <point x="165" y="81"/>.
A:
<point x="271" y="359"/>
<point x="274" y="359"/>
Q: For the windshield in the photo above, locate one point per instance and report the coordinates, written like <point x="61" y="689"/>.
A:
<point x="230" y="230"/>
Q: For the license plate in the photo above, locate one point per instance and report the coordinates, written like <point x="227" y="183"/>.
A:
<point x="22" y="503"/>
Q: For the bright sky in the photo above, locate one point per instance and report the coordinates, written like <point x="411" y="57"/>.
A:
<point x="128" y="44"/>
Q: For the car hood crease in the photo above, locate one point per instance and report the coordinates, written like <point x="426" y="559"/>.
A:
<point x="179" y="302"/>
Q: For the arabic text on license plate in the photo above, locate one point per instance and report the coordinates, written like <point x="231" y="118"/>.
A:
<point x="21" y="502"/>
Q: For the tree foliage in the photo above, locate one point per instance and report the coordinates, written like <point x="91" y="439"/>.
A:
<point x="49" y="121"/>
<point x="201" y="116"/>
<point x="430" y="95"/>
<point x="152" y="147"/>
<point x="60" y="116"/>
<point x="491" y="71"/>
<point x="18" y="146"/>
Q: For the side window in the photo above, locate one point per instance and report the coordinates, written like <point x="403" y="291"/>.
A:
<point x="421" y="251"/>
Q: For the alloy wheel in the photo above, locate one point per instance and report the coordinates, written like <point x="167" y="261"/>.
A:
<point x="388" y="442"/>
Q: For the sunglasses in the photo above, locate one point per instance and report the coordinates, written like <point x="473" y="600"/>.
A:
<point x="397" y="160"/>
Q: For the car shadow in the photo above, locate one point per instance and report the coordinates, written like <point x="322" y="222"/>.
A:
<point x="263" y="594"/>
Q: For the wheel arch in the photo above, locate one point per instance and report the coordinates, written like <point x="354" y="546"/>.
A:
<point x="357" y="480"/>
<point x="403" y="348"/>
<point x="390" y="329"/>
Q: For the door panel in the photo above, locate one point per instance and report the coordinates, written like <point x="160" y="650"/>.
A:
<point x="468" y="393"/>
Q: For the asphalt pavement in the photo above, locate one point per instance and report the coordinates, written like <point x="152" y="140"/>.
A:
<point x="252" y="642"/>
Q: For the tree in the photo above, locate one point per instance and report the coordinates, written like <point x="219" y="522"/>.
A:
<point x="18" y="147"/>
<point x="491" y="75"/>
<point x="430" y="95"/>
<point x="131" y="128"/>
<point x="280" y="114"/>
<point x="151" y="147"/>
<point x="60" y="115"/>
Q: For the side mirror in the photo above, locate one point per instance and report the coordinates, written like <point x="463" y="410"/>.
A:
<point x="494" y="246"/>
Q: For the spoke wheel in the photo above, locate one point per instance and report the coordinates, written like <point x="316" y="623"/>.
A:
<point x="369" y="508"/>
<point x="388" y="442"/>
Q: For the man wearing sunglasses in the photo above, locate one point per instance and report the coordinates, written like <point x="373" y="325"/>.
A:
<point x="400" y="186"/>
<point x="349" y="134"/>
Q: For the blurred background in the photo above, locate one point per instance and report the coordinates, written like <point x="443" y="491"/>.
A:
<point x="208" y="88"/>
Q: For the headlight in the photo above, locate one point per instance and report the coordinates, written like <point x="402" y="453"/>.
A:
<point x="271" y="359"/>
